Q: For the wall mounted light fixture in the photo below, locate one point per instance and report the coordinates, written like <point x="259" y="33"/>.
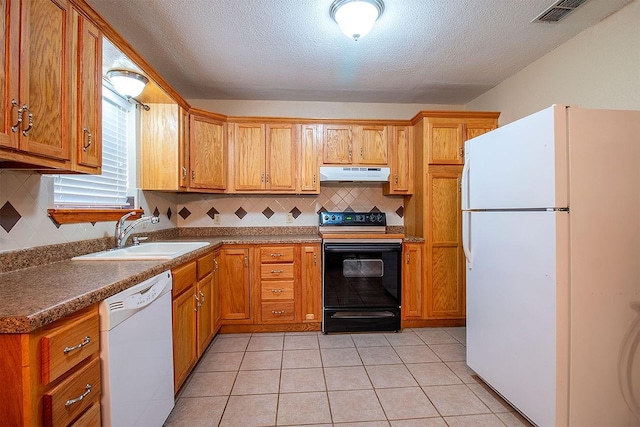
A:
<point x="127" y="83"/>
<point x="356" y="17"/>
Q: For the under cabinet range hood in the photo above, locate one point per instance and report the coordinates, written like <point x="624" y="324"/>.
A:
<point x="353" y="174"/>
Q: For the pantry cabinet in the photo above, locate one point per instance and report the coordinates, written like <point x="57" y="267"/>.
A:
<point x="433" y="212"/>
<point x="347" y="144"/>
<point x="50" y="366"/>
<point x="207" y="152"/>
<point x="37" y="76"/>
<point x="264" y="157"/>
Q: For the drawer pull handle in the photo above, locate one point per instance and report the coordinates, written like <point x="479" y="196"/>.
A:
<point x="87" y="390"/>
<point x="277" y="291"/>
<point x="277" y="271"/>
<point x="276" y="255"/>
<point x="84" y="342"/>
<point x="277" y="313"/>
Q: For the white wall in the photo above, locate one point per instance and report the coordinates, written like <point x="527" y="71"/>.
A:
<point x="598" y="68"/>
<point x="316" y="110"/>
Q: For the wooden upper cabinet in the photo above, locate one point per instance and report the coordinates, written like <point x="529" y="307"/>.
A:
<point x="183" y="149"/>
<point x="337" y="146"/>
<point x="345" y="144"/>
<point x="265" y="157"/>
<point x="445" y="143"/>
<point x="208" y="153"/>
<point x="401" y="180"/>
<point x="477" y="128"/>
<point x="309" y="179"/>
<point x="159" y="142"/>
<point x="281" y="157"/>
<point x="87" y="108"/>
<point x="370" y="145"/>
<point x="37" y="69"/>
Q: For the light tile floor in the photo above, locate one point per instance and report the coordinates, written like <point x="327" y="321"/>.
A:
<point x="414" y="378"/>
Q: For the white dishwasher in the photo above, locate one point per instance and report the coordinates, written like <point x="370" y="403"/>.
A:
<point x="137" y="354"/>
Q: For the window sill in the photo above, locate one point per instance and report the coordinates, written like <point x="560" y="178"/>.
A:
<point x="76" y="216"/>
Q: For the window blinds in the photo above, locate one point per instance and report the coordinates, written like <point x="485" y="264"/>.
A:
<point x="108" y="190"/>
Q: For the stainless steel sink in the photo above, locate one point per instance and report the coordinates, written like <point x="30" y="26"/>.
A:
<point x="144" y="251"/>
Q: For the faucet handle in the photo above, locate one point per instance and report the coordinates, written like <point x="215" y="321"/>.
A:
<point x="137" y="240"/>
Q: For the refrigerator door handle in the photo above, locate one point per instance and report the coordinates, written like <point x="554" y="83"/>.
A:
<point x="466" y="237"/>
<point x="465" y="181"/>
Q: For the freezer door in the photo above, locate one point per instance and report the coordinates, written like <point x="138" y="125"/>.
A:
<point x="520" y="165"/>
<point x="512" y="300"/>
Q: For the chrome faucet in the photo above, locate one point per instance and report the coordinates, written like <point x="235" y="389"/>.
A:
<point x="122" y="233"/>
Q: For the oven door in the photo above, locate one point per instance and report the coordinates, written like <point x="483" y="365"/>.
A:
<point x="361" y="287"/>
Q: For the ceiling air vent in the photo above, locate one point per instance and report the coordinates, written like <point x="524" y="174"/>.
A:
<point x="559" y="10"/>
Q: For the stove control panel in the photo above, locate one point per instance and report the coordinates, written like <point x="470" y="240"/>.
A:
<point x="353" y="218"/>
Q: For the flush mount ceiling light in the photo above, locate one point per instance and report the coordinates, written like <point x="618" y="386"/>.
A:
<point x="356" y="17"/>
<point x="127" y="83"/>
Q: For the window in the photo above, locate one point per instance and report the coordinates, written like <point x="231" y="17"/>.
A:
<point x="108" y="190"/>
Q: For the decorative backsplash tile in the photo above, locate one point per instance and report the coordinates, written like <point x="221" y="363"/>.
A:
<point x="272" y="210"/>
<point x="25" y="197"/>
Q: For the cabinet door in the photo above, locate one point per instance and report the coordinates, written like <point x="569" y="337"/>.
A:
<point x="216" y="292"/>
<point x="185" y="352"/>
<point x="9" y="71"/>
<point x="159" y="135"/>
<point x="311" y="284"/>
<point x="471" y="130"/>
<point x="45" y="66"/>
<point x="309" y="167"/>
<point x="282" y="157"/>
<point x="412" y="295"/>
<point x="88" y="106"/>
<point x="371" y="147"/>
<point x="400" y="147"/>
<point x="205" y="316"/>
<point x="337" y="147"/>
<point x="445" y="143"/>
<point x="183" y="148"/>
<point x="445" y="257"/>
<point x="234" y="284"/>
<point x="207" y="153"/>
<point x="249" y="157"/>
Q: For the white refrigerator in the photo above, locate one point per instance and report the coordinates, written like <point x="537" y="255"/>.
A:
<point x="551" y="233"/>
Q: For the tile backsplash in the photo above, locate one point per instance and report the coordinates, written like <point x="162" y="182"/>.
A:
<point x="199" y="210"/>
<point x="25" y="197"/>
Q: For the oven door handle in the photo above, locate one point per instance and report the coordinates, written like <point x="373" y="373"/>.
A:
<point x="359" y="247"/>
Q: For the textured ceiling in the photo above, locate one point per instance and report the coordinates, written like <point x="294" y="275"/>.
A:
<point x="419" y="51"/>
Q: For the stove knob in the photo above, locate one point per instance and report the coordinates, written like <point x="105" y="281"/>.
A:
<point x="326" y="217"/>
<point x="333" y="217"/>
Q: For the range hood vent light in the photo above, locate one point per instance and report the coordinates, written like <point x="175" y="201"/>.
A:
<point x="354" y="174"/>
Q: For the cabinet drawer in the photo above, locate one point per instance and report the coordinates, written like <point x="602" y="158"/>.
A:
<point x="183" y="277"/>
<point x="278" y="312"/>
<point x="65" y="346"/>
<point x="276" y="271"/>
<point x="276" y="254"/>
<point x="73" y="396"/>
<point x="205" y="265"/>
<point x="277" y="290"/>
<point x="91" y="418"/>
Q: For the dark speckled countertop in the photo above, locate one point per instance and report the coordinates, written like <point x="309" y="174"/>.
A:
<point x="35" y="296"/>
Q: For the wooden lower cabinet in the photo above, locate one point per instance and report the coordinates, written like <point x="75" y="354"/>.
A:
<point x="195" y="315"/>
<point x="234" y="284"/>
<point x="38" y="377"/>
<point x="311" y="283"/>
<point x="412" y="284"/>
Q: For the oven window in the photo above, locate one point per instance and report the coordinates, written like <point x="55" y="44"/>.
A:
<point x="362" y="268"/>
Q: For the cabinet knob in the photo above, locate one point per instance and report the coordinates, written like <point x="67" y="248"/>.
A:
<point x="277" y="312"/>
<point x="84" y="342"/>
<point x="461" y="152"/>
<point x="184" y="172"/>
<point x="87" y="390"/>
<point x="25" y="132"/>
